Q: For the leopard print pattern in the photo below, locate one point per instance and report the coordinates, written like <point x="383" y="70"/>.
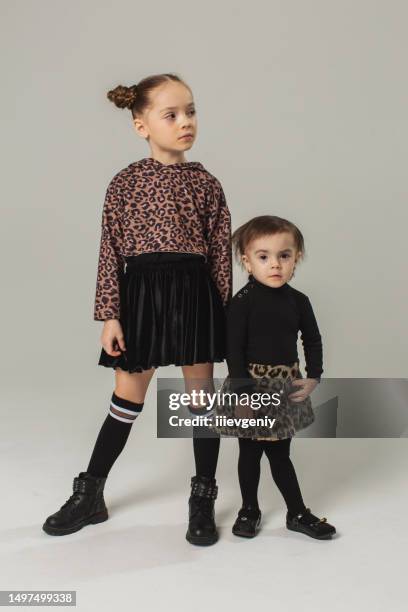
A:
<point x="290" y="416"/>
<point x="152" y="207"/>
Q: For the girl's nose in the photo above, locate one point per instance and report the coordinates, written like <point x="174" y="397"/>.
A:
<point x="188" y="120"/>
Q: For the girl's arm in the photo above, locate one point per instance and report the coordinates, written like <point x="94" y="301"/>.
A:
<point x="219" y="242"/>
<point x="237" y="335"/>
<point x="311" y="339"/>
<point x="110" y="264"/>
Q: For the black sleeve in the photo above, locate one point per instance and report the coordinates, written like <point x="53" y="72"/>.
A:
<point x="237" y="334"/>
<point x="311" y="339"/>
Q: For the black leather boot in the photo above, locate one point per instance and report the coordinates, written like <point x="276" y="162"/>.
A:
<point x="311" y="525"/>
<point x="202" y="530"/>
<point x="86" y="505"/>
<point x="247" y="522"/>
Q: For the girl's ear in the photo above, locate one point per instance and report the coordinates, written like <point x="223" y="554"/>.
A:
<point x="244" y="260"/>
<point x="298" y="257"/>
<point x="140" y="128"/>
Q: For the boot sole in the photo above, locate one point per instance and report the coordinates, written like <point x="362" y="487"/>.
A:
<point x="327" y="536"/>
<point x="243" y="534"/>
<point x="100" y="517"/>
<point x="207" y="541"/>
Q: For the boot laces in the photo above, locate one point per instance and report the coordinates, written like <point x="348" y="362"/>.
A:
<point x="75" y="497"/>
<point x="203" y="506"/>
<point x="80" y="487"/>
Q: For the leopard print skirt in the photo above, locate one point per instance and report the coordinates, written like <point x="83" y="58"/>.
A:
<point x="290" y="416"/>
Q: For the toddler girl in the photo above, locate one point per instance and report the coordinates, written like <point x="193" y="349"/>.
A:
<point x="263" y="321"/>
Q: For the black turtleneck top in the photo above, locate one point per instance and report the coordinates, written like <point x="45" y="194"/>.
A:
<point x="262" y="327"/>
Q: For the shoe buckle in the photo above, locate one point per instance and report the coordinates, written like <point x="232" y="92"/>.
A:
<point x="201" y="489"/>
<point x="301" y="514"/>
<point x="322" y="520"/>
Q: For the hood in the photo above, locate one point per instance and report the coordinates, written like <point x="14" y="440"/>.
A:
<point x="154" y="164"/>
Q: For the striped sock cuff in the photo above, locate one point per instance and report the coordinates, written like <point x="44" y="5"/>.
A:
<point x="124" y="410"/>
<point x="200" y="410"/>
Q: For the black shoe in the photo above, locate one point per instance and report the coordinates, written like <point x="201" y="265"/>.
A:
<point x="202" y="530"/>
<point x="311" y="525"/>
<point x="86" y="505"/>
<point x="247" y="522"/>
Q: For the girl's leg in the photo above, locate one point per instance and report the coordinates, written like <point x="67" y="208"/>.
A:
<point x="284" y="474"/>
<point x="202" y="529"/>
<point x="126" y="404"/>
<point x="249" y="470"/>
<point x="87" y="504"/>
<point x="200" y="376"/>
<point x="298" y="517"/>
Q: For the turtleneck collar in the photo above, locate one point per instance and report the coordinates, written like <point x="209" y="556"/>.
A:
<point x="266" y="288"/>
<point x="155" y="164"/>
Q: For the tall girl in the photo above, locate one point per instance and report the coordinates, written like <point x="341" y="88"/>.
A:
<point x="164" y="279"/>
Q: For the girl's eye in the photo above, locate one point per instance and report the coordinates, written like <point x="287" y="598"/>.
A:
<point x="283" y="256"/>
<point x="172" y="115"/>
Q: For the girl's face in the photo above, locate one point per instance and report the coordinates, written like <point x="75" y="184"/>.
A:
<point x="170" y="117"/>
<point x="271" y="259"/>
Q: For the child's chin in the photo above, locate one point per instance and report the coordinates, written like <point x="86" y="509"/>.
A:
<point x="276" y="282"/>
<point x="187" y="146"/>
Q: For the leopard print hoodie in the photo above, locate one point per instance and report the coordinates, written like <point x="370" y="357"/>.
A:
<point x="151" y="207"/>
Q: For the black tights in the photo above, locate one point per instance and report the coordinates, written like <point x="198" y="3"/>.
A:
<point x="283" y="472"/>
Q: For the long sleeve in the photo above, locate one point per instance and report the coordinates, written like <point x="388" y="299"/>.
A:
<point x="237" y="339"/>
<point x="219" y="242"/>
<point x="107" y="295"/>
<point x="311" y="340"/>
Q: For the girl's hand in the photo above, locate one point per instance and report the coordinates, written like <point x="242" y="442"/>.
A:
<point x="307" y="385"/>
<point x="112" y="338"/>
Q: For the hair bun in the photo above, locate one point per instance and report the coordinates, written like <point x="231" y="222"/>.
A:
<point x="122" y="96"/>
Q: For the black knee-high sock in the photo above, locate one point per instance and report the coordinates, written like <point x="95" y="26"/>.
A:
<point x="206" y="455"/>
<point x="206" y="445"/>
<point x="113" y="435"/>
<point x="249" y="470"/>
<point x="284" y="474"/>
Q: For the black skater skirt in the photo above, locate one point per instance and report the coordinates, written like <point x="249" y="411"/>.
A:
<point x="171" y="312"/>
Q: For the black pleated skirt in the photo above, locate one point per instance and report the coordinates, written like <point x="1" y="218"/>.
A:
<point x="171" y="313"/>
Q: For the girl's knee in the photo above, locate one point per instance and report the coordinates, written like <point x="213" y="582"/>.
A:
<point x="280" y="449"/>
<point x="249" y="447"/>
<point x="132" y="386"/>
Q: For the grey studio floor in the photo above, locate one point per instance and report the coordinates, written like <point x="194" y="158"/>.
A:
<point x="139" y="558"/>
